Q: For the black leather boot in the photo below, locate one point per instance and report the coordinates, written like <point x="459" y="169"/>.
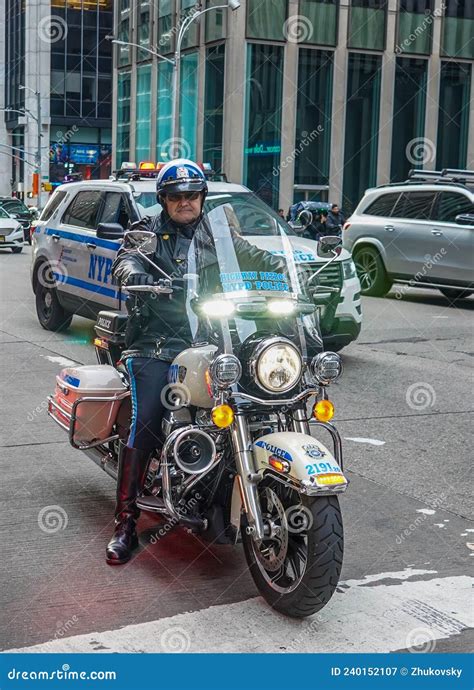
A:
<point x="132" y="468"/>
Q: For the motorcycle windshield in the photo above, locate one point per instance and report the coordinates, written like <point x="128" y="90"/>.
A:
<point x="244" y="280"/>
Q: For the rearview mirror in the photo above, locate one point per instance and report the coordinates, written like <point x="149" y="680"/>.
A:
<point x="465" y="219"/>
<point x="330" y="244"/>
<point x="140" y="240"/>
<point x="109" y="231"/>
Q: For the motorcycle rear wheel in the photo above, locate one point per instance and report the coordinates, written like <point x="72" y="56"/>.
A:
<point x="297" y="571"/>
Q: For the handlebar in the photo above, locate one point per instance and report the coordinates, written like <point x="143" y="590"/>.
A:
<point x="163" y="287"/>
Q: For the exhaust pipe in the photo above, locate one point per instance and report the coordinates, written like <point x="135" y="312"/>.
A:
<point x="104" y="459"/>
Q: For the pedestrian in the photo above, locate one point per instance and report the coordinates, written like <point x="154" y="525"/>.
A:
<point x="335" y="220"/>
<point x="281" y="213"/>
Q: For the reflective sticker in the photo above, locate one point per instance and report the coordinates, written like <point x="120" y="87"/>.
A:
<point x="72" y="380"/>
<point x="274" y="450"/>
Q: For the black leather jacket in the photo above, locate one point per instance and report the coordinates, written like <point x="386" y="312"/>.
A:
<point x="160" y="327"/>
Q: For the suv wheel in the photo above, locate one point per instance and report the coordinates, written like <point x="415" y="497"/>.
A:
<point x="371" y="271"/>
<point x="454" y="294"/>
<point x="51" y="315"/>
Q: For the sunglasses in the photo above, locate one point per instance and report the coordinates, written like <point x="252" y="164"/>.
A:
<point x="183" y="196"/>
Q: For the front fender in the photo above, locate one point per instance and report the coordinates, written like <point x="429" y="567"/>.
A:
<point x="307" y="464"/>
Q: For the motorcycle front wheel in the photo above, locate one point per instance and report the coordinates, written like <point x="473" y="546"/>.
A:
<point x="297" y="567"/>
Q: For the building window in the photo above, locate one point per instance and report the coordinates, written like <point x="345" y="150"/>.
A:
<point x="362" y="124"/>
<point x="318" y="22"/>
<point x="144" y="27"/>
<point x="143" y="117"/>
<point x="191" y="36"/>
<point x="367" y="24"/>
<point x="215" y="22"/>
<point x="123" y="118"/>
<point x="409" y="149"/>
<point x="124" y="53"/>
<point x="165" y="24"/>
<point x="458" y="29"/>
<point x="186" y="147"/>
<point x="263" y="120"/>
<point x="266" y="19"/>
<point x="415" y="26"/>
<point x="214" y="106"/>
<point x="313" y="123"/>
<point x="163" y="111"/>
<point x="453" y="124"/>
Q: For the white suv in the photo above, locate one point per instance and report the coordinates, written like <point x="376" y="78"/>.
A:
<point x="79" y="232"/>
<point x="420" y="232"/>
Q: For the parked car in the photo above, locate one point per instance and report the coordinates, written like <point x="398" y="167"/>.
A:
<point x="18" y="210"/>
<point x="11" y="232"/>
<point x="79" y="231"/>
<point x="419" y="232"/>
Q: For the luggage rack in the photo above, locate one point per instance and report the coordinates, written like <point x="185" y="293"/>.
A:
<point x="452" y="176"/>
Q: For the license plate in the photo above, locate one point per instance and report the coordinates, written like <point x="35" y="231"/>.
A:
<point x="2" y="238"/>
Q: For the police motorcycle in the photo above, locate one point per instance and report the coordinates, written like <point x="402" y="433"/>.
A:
<point x="239" y="461"/>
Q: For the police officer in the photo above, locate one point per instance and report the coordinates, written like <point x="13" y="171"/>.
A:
<point x="159" y="331"/>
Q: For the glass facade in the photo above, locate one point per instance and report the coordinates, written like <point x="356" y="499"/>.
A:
<point x="322" y="16"/>
<point x="188" y="106"/>
<point x="453" y="124"/>
<point x="123" y="118"/>
<point x="165" y="25"/>
<point x="409" y="110"/>
<point x="81" y="62"/>
<point x="144" y="26"/>
<point x="266" y="19"/>
<point x="214" y="106"/>
<point x="367" y="24"/>
<point x="362" y="127"/>
<point x="215" y="22"/>
<point x="123" y="33"/>
<point x="163" y="110"/>
<point x="263" y="120"/>
<point x="458" y="29"/>
<point x="313" y="123"/>
<point x="191" y="37"/>
<point x="143" y="114"/>
<point x="415" y="26"/>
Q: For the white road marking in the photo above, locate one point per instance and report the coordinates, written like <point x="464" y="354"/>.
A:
<point x="60" y="360"/>
<point x="441" y="525"/>
<point x="469" y="530"/>
<point x="372" y="441"/>
<point x="375" y="618"/>
<point x="470" y="545"/>
<point x="426" y="511"/>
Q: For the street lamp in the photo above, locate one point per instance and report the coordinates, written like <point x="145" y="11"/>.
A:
<point x="176" y="60"/>
<point x="38" y="149"/>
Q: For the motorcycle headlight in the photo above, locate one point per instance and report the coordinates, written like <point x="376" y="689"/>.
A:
<point x="277" y="366"/>
<point x="326" y="367"/>
<point x="225" y="370"/>
<point x="348" y="269"/>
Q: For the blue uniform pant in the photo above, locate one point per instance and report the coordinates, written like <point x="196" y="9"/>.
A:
<point x="148" y="381"/>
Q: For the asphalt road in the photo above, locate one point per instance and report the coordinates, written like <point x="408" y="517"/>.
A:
<point x="404" y="407"/>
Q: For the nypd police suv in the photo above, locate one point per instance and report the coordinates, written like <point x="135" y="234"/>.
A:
<point x="79" y="232"/>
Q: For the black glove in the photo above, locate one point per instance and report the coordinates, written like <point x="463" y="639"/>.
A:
<point x="140" y="279"/>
